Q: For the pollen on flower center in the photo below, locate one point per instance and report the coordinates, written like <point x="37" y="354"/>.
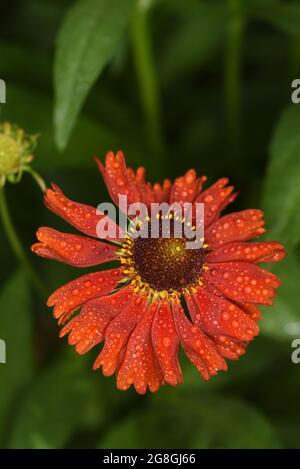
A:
<point x="166" y="264"/>
<point x="162" y="265"/>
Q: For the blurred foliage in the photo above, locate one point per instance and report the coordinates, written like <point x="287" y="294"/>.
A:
<point x="101" y="99"/>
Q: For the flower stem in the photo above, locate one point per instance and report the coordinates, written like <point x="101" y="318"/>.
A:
<point x="17" y="246"/>
<point x="36" y="177"/>
<point x="232" y="75"/>
<point x="146" y="75"/>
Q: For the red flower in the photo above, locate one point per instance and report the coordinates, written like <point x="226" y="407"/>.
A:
<point x="137" y="308"/>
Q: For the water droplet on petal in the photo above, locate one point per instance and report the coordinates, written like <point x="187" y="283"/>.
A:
<point x="166" y="341"/>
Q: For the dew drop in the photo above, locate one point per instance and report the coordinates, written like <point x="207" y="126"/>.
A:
<point x="166" y="341"/>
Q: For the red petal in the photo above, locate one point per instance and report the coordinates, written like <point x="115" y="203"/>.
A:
<point x="252" y="310"/>
<point x="83" y="217"/>
<point x="248" y="252"/>
<point x="162" y="194"/>
<point x="74" y="294"/>
<point x="228" y="347"/>
<point x="87" y="328"/>
<point x="243" y="282"/>
<point x="218" y="317"/>
<point x="199" y="348"/>
<point x="215" y="199"/>
<point x="140" y="366"/>
<point x="121" y="180"/>
<point x="239" y="226"/>
<point x="72" y="249"/>
<point x="231" y="348"/>
<point x="118" y="333"/>
<point x="117" y="178"/>
<point x="165" y="342"/>
<point x="148" y="195"/>
<point x="143" y="187"/>
<point x="186" y="188"/>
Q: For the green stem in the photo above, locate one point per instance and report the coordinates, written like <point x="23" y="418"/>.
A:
<point x="17" y="246"/>
<point x="232" y="75"/>
<point x="36" y="177"/>
<point x="146" y="75"/>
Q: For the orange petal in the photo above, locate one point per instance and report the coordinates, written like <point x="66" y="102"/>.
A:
<point x="248" y="252"/>
<point x="87" y="328"/>
<point x="83" y="217"/>
<point x="162" y="193"/>
<point x="140" y="366"/>
<point x="118" y="333"/>
<point x="165" y="342"/>
<point x="243" y="282"/>
<point x="74" y="294"/>
<point x="219" y="317"/>
<point x="238" y="226"/>
<point x="75" y="250"/>
<point x="215" y="199"/>
<point x="186" y="188"/>
<point x="199" y="348"/>
<point x="117" y="178"/>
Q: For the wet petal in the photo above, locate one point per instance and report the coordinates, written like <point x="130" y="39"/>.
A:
<point x="162" y="193"/>
<point x="165" y="342"/>
<point x="248" y="252"/>
<point x="228" y="347"/>
<point x="87" y="328"/>
<point x="215" y="199"/>
<point x="140" y="366"/>
<point x="243" y="282"/>
<point x="218" y="317"/>
<point x="117" y="178"/>
<point x="75" y="250"/>
<point x="117" y="334"/>
<point x="231" y="349"/>
<point x="251" y="309"/>
<point x="121" y="180"/>
<point x="83" y="217"/>
<point x="143" y="187"/>
<point x="199" y="348"/>
<point x="74" y="294"/>
<point x="238" y="226"/>
<point x="186" y="188"/>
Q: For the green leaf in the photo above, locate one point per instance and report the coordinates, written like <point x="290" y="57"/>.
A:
<point x="283" y="16"/>
<point x="53" y="407"/>
<point x="258" y="358"/>
<point x="125" y="431"/>
<point x="281" y="199"/>
<point x="86" y="42"/>
<point x="15" y="330"/>
<point x="217" y="422"/>
<point x="282" y="321"/>
<point x="199" y="34"/>
<point x="233" y="424"/>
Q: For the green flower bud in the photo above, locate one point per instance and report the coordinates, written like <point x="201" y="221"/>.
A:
<point x="16" y="149"/>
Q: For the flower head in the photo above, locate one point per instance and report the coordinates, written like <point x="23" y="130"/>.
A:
<point x="161" y="295"/>
<point x="16" y="150"/>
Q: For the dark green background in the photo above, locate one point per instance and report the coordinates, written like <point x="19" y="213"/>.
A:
<point x="219" y="101"/>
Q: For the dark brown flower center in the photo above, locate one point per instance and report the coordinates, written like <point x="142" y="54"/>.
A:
<point x="166" y="263"/>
